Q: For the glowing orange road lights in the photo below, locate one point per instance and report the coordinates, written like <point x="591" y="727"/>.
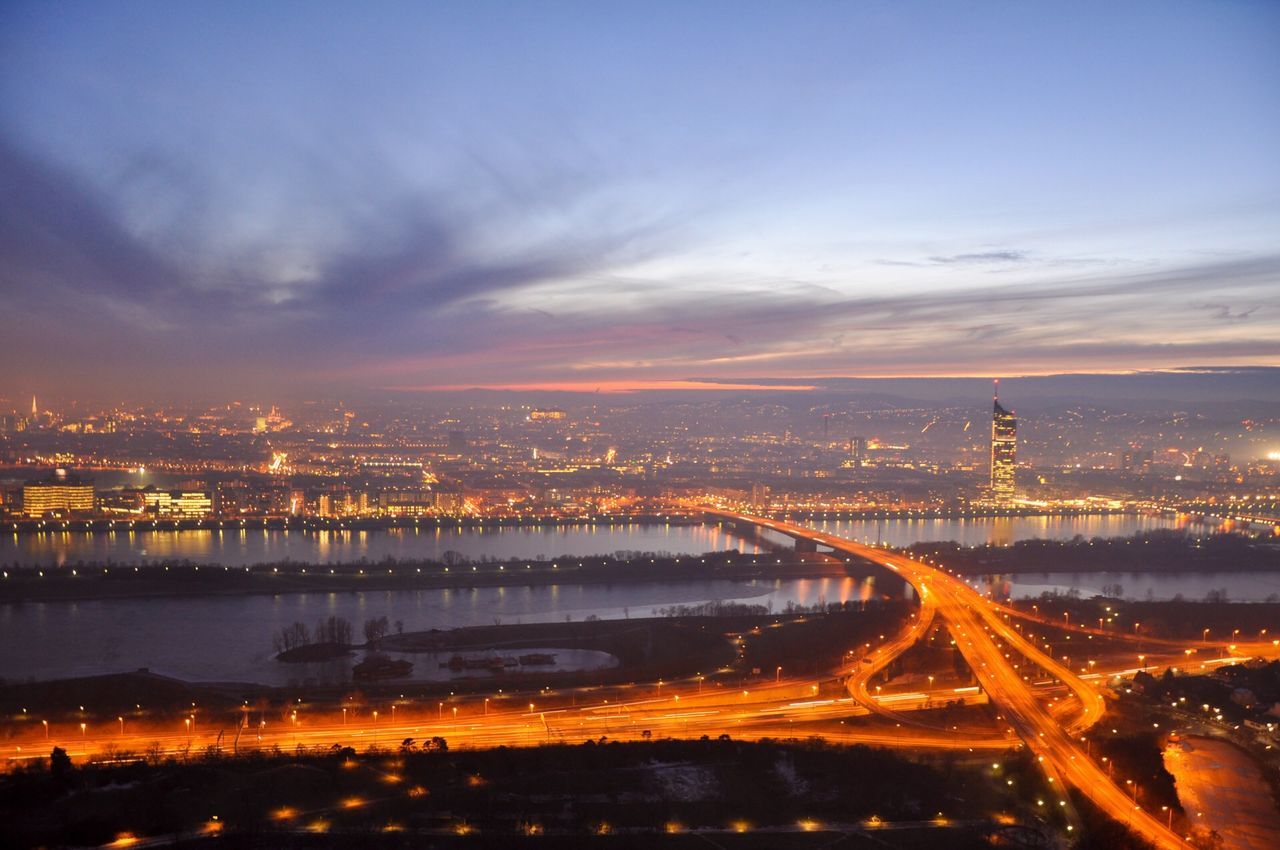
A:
<point x="46" y="729"/>
<point x="121" y="720"/>
<point x="83" y="727"/>
<point x="983" y="638"/>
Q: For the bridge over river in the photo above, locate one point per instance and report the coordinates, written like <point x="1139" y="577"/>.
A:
<point x="885" y="581"/>
<point x="993" y="650"/>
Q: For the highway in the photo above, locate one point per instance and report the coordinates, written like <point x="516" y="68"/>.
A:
<point x="1045" y="704"/>
<point x="787" y="709"/>
<point x="989" y="644"/>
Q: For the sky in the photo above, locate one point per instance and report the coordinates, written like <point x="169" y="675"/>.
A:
<point x="227" y="198"/>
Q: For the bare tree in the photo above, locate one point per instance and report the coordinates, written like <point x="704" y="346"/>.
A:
<point x="291" y="637"/>
<point x="334" y="630"/>
<point x="375" y="629"/>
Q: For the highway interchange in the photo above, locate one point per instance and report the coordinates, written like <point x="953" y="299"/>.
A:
<point x="1042" y="702"/>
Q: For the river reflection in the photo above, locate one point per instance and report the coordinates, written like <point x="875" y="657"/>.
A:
<point x="236" y="547"/>
<point x="998" y="530"/>
<point x="230" y="638"/>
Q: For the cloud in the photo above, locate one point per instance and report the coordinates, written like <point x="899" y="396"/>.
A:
<point x="1223" y="312"/>
<point x="491" y="281"/>
<point x="981" y="258"/>
<point x="414" y="273"/>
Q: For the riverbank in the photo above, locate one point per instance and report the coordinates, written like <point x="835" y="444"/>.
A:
<point x="1165" y="551"/>
<point x="1191" y="621"/>
<point x="107" y="525"/>
<point x="647" y="649"/>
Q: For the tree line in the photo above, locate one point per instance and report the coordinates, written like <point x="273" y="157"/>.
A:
<point x="332" y="630"/>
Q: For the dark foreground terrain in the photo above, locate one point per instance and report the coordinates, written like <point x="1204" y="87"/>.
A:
<point x="662" y="793"/>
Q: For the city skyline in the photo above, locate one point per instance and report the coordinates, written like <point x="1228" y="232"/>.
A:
<point x="253" y="200"/>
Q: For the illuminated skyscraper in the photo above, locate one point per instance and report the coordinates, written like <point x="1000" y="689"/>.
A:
<point x="61" y="493"/>
<point x="1004" y="444"/>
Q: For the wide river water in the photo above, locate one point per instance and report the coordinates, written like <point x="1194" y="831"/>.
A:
<point x="237" y="547"/>
<point x="229" y="638"/>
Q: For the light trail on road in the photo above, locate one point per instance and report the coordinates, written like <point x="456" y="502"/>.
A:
<point x="790" y="707"/>
<point x="976" y="626"/>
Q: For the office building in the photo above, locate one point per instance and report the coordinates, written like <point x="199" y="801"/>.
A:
<point x="1004" y="444"/>
<point x="61" y="493"/>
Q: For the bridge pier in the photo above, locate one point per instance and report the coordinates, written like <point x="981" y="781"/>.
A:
<point x="803" y="545"/>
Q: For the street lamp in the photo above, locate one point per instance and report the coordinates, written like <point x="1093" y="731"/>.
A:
<point x="778" y="674"/>
<point x="121" y="719"/>
<point x="46" y="729"/>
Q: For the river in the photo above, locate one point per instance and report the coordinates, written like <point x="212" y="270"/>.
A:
<point x="230" y="638"/>
<point x="241" y="547"/>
